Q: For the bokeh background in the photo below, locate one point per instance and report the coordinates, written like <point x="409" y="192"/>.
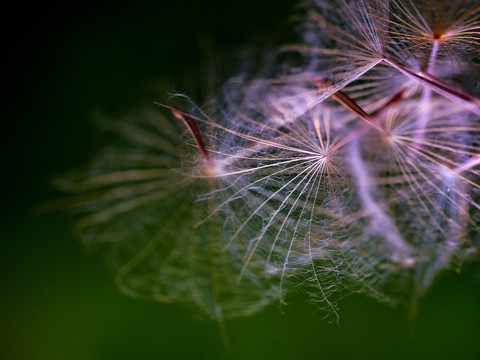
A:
<point x="66" y="62"/>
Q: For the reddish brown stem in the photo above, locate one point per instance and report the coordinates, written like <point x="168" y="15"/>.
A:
<point x="440" y="87"/>
<point x="193" y="128"/>
<point x="351" y="105"/>
<point x="393" y="100"/>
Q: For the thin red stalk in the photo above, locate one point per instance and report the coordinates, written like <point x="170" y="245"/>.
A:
<point x="440" y="87"/>
<point x="351" y="105"/>
<point x="193" y="128"/>
<point x="348" y="103"/>
<point x="393" y="100"/>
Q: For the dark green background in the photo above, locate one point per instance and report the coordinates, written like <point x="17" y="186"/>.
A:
<point x="64" y="63"/>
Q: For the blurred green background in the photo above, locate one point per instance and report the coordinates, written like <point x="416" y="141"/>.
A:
<point x="65" y="62"/>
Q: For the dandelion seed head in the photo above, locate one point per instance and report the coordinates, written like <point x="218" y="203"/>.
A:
<point x="346" y="162"/>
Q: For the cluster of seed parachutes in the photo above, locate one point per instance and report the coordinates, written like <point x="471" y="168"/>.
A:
<point x="354" y="167"/>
